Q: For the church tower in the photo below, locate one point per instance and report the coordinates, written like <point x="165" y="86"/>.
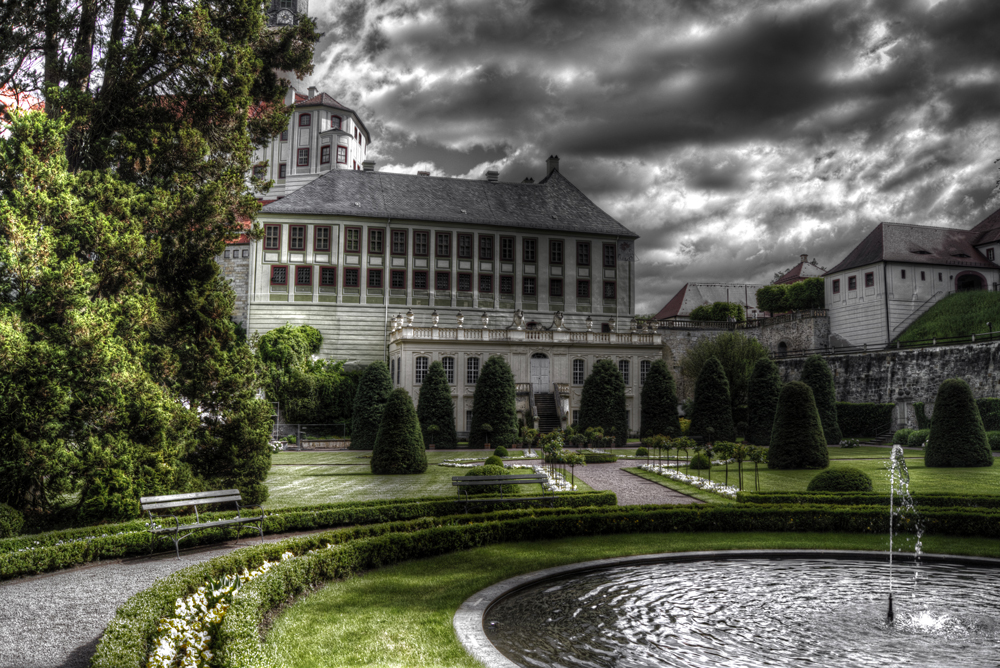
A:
<point x="286" y="12"/>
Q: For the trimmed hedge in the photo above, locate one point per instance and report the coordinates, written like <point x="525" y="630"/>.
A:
<point x="488" y="469"/>
<point x="369" y="402"/>
<point x="859" y="420"/>
<point x="492" y="460"/>
<point x="712" y="408"/>
<point x="602" y="402"/>
<point x="869" y="499"/>
<point x="902" y="436"/>
<point x="841" y="479"/>
<point x="994" y="439"/>
<point x="399" y="447"/>
<point x="500" y="451"/>
<point x="797" y="440"/>
<point x="817" y="375"/>
<point x="658" y="403"/>
<point x="435" y="408"/>
<point x="11" y="521"/>
<point x="957" y="436"/>
<point x="989" y="411"/>
<point x="641" y="452"/>
<point x="599" y="458"/>
<point x="700" y="462"/>
<point x="494" y="403"/>
<point x="762" y="401"/>
<point x="917" y="438"/>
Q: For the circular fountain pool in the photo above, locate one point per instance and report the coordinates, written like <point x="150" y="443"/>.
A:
<point x="752" y="612"/>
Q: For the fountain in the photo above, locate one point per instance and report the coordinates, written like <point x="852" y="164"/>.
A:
<point x="899" y="490"/>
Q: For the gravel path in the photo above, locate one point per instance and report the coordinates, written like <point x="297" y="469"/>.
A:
<point x="630" y="489"/>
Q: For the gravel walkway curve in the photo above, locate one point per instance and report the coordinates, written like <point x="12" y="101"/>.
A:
<point x="630" y="488"/>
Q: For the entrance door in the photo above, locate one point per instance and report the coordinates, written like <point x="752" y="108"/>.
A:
<point x="540" y="373"/>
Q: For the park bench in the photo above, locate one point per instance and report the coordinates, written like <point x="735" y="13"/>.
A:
<point x="151" y="503"/>
<point x="465" y="482"/>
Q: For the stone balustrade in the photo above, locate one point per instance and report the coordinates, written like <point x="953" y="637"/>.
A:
<point x="512" y="335"/>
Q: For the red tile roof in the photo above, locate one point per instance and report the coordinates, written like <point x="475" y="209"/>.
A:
<point x="673" y="307"/>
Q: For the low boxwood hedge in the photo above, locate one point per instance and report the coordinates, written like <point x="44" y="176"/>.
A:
<point x="917" y="438"/>
<point x="599" y="458"/>
<point x="841" y="479"/>
<point x="994" y="439"/>
<point x="932" y="500"/>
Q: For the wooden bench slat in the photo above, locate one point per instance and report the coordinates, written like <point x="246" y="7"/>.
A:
<point x="192" y="495"/>
<point x="181" y="504"/>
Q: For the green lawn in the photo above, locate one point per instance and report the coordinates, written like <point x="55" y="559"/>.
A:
<point x="307" y="478"/>
<point x="401" y="616"/>
<point x="960" y="314"/>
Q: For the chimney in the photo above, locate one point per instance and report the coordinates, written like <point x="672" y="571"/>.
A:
<point x="312" y="91"/>
<point x="552" y="164"/>
<point x="289" y="96"/>
<point x="492" y="176"/>
<point x="368" y="165"/>
<point x="804" y="258"/>
<point x="422" y="173"/>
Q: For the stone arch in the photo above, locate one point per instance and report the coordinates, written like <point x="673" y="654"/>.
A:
<point x="782" y="349"/>
<point x="968" y="281"/>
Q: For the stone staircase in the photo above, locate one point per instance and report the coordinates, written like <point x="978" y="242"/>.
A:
<point x="548" y="418"/>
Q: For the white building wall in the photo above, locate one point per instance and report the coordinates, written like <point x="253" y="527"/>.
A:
<point x="858" y="315"/>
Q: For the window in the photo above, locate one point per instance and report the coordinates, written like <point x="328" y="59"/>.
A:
<point x="321" y="238"/>
<point x="940" y="277"/>
<point x="623" y="369"/>
<point x="902" y="274"/>
<point x="507" y="249"/>
<point x="583" y="289"/>
<point x="399" y="372"/>
<point x="305" y="120"/>
<point x="352" y="240"/>
<point x="420" y="280"/>
<point x="226" y="255"/>
<point x="870" y="279"/>
<point x="578" y="372"/>
<point x="555" y="287"/>
<point x="374" y="278"/>
<point x="583" y="253"/>
<point x="923" y="276"/>
<point x="506" y="285"/>
<point x="342" y="155"/>
<point x="375" y="241"/>
<point x="420" y="370"/>
<point x="303" y="158"/>
<point x="485" y="283"/>
<point x="576" y="417"/>
<point x="485" y="247"/>
<point x="246" y="253"/>
<point x="465" y="282"/>
<point x="399" y="242"/>
<point x="392" y="370"/>
<point x="284" y="135"/>
<point x="335" y="122"/>
<point x="352" y="278"/>
<point x="990" y="255"/>
<point x="420" y="243"/>
<point x="644" y="367"/>
<point x="529" y="250"/>
<point x="324" y="155"/>
<point x="282" y="171"/>
<point x="609" y="255"/>
<point x="303" y="275"/>
<point x="272" y="237"/>
<point x="472" y="371"/>
<point x="449" y="369"/>
<point x="609" y="290"/>
<point x="328" y="276"/>
<point x="528" y="286"/>
<point x="443" y="246"/>
<point x="442" y="281"/>
<point x="297" y="237"/>
<point x="555" y="252"/>
<point x="836" y="286"/>
<point x="468" y="419"/>
<point x="279" y="275"/>
<point x="260" y="171"/>
<point x="397" y="280"/>
<point x="464" y="245"/>
<point x="852" y="282"/>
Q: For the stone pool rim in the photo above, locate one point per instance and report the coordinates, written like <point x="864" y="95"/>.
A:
<point x="468" y="619"/>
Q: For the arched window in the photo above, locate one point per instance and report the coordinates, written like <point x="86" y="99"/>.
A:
<point x="449" y="369"/>
<point x="605" y="328"/>
<point x="623" y="368"/>
<point x="579" y="374"/>
<point x="472" y="371"/>
<point x="420" y="371"/>
<point x="644" y="367"/>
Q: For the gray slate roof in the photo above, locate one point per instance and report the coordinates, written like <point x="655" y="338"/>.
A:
<point x="917" y="244"/>
<point x="551" y="204"/>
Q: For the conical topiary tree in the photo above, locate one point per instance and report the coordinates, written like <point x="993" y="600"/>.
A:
<point x="797" y="437"/>
<point x="762" y="401"/>
<point x="399" y="446"/>
<point x="369" y="400"/>
<point x="658" y="413"/>
<point x="602" y="402"/>
<point x="816" y="374"/>
<point x="957" y="435"/>
<point x="494" y="404"/>
<point x="712" y="407"/>
<point x="435" y="408"/>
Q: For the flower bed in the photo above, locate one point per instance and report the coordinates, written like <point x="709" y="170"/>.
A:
<point x="696" y="481"/>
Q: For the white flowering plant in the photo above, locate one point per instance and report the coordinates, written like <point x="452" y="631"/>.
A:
<point x="696" y="481"/>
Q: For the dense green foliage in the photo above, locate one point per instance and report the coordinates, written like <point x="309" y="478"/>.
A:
<point x="11" y="521"/>
<point x="712" y="416"/>
<point x="719" y="312"/>
<point x="599" y="458"/>
<point x="700" y="461"/>
<point x="493" y="460"/>
<point x="399" y="446"/>
<point x="641" y="452"/>
<point x="841" y="479"/>
<point x="989" y="411"/>
<point x="870" y="499"/>
<point x="993" y="437"/>
<point x="602" y="402"/>
<point x="762" y="401"/>
<point x="957" y="435"/>
<point x="500" y="451"/>
<point x="807" y="294"/>
<point x="494" y="404"/>
<point x="797" y="438"/>
<point x="918" y="437"/>
<point x="902" y="436"/>
<point x="959" y="314"/>
<point x="488" y="469"/>
<point x="658" y="403"/>
<point x="738" y="354"/>
<point x="369" y="402"/>
<point x="817" y="375"/>
<point x="434" y="407"/>
<point x="863" y="420"/>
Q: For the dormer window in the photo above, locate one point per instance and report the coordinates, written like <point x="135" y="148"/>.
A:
<point x="335" y="122"/>
<point x="920" y="252"/>
<point x="960" y="255"/>
<point x="305" y="120"/>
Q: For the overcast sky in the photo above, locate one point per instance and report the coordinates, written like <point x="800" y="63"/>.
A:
<point x="731" y="135"/>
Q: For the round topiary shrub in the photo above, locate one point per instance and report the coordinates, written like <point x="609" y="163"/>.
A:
<point x="11" y="521"/>
<point x="641" y="452"/>
<point x="957" y="437"/>
<point x="701" y="461"/>
<point x="902" y="436"/>
<point x="841" y="479"/>
<point x="994" y="438"/>
<point x="500" y="451"/>
<point x="493" y="460"/>
<point x="488" y="469"/>
<point x="917" y="438"/>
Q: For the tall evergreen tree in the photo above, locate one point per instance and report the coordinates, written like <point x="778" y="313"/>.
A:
<point x="659" y="403"/>
<point x="957" y="436"/>
<point x="737" y="353"/>
<point x="762" y="398"/>
<point x="712" y="405"/>
<point x="797" y="437"/>
<point x="494" y="403"/>
<point x="399" y="446"/>
<point x="816" y="374"/>
<point x="602" y="402"/>
<point x="434" y="407"/>
<point x="369" y="402"/>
